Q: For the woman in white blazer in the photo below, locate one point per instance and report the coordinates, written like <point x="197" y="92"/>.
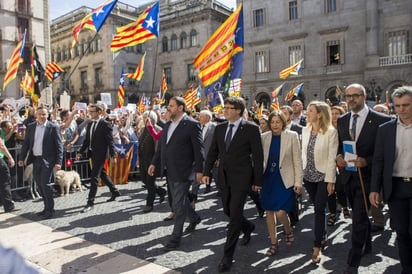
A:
<point x="319" y="149"/>
<point x="283" y="176"/>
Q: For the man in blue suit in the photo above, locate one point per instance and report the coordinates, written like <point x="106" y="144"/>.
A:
<point x="180" y="152"/>
<point x="392" y="172"/>
<point x="44" y="147"/>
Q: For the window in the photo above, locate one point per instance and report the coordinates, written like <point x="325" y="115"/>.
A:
<point x="183" y="40"/>
<point x="76" y="51"/>
<point x="22" y="6"/>
<point x="330" y="6"/>
<point x="258" y="18"/>
<point x="261" y="61"/>
<point x="132" y="81"/>
<point x="98" y="44"/>
<point x="83" y="79"/>
<point x="293" y="10"/>
<point x="193" y="38"/>
<point x="164" y="44"/>
<point x="98" y="77"/>
<point x="173" y="42"/>
<point x="333" y="53"/>
<point x="83" y="47"/>
<point x="168" y="75"/>
<point x="295" y="54"/>
<point x="64" y="53"/>
<point x="139" y="48"/>
<point x="397" y="43"/>
<point x="53" y="56"/>
<point x="23" y="25"/>
<point x="191" y="73"/>
<point x="59" y="55"/>
<point x="90" y="45"/>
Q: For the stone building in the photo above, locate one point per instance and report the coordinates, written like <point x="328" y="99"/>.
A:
<point x="341" y="41"/>
<point x="15" y="18"/>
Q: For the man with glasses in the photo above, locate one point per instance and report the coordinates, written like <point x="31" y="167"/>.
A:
<point x="237" y="145"/>
<point x="99" y="143"/>
<point x="297" y="116"/>
<point x="359" y="125"/>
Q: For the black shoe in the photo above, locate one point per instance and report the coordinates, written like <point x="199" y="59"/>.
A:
<point x="169" y="218"/>
<point x="351" y="270"/>
<point x="246" y="236"/>
<point x="162" y="197"/>
<point x="115" y="194"/>
<point x="172" y="245"/>
<point x="41" y="213"/>
<point x="192" y="226"/>
<point x="207" y="190"/>
<point x="48" y="215"/>
<point x="261" y="213"/>
<point x="87" y="208"/>
<point x="224" y="265"/>
<point x="14" y="208"/>
<point x="147" y="209"/>
<point x="375" y="228"/>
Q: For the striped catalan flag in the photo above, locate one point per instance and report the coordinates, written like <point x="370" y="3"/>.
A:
<point x="278" y="91"/>
<point x="94" y="20"/>
<point x="188" y="97"/>
<point x="27" y="84"/>
<point x="294" y="70"/>
<point x="119" y="171"/>
<point x="197" y="97"/>
<point x="139" y="71"/>
<point x="146" y="27"/>
<point x="294" y="92"/>
<point x="164" y="82"/>
<point x="275" y="104"/>
<point x="53" y="71"/>
<point x="259" y="113"/>
<point x="120" y="91"/>
<point x="15" y="59"/>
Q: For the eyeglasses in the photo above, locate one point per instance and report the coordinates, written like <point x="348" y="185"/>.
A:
<point x="354" y="96"/>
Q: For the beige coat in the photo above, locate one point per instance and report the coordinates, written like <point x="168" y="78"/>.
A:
<point x="290" y="160"/>
<point x="326" y="148"/>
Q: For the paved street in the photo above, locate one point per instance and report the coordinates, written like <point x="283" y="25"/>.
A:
<point x="122" y="226"/>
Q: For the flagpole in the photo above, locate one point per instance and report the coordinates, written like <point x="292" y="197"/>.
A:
<point x="154" y="69"/>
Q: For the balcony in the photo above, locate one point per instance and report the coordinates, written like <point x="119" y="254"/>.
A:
<point x="395" y="60"/>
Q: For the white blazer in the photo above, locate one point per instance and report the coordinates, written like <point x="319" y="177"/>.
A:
<point x="326" y="148"/>
<point x="290" y="159"/>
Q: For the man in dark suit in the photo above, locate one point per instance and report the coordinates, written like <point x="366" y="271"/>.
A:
<point x="208" y="129"/>
<point x="237" y="145"/>
<point x="44" y="147"/>
<point x="392" y="172"/>
<point x="180" y="152"/>
<point x="359" y="125"/>
<point x="99" y="142"/>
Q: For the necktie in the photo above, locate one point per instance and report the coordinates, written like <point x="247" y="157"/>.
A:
<point x="92" y="128"/>
<point x="229" y="136"/>
<point x="355" y="119"/>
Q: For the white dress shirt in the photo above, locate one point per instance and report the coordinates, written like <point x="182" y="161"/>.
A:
<point x="38" y="139"/>
<point x="359" y="123"/>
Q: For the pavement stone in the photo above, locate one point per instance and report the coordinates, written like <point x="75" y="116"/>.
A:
<point x="122" y="226"/>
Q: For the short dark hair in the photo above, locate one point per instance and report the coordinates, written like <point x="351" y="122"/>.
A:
<point x="180" y="102"/>
<point x="289" y="108"/>
<point x="4" y="124"/>
<point x="237" y="102"/>
<point x="98" y="108"/>
<point x="281" y="115"/>
<point x="63" y="113"/>
<point x="402" y="91"/>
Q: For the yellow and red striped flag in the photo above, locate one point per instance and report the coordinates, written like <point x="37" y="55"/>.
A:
<point x="278" y="91"/>
<point x="294" y="92"/>
<point x="120" y="91"/>
<point x="119" y="171"/>
<point x="139" y="71"/>
<point x="15" y="59"/>
<point x="294" y="70"/>
<point x="94" y="20"/>
<point x="275" y="104"/>
<point x="28" y="83"/>
<point x="53" y="71"/>
<point x="197" y="97"/>
<point x="146" y="27"/>
<point x="188" y="97"/>
<point x="260" y="111"/>
<point x="164" y="82"/>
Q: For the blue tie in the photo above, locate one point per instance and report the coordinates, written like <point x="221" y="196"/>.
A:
<point x="355" y="119"/>
<point x="229" y="136"/>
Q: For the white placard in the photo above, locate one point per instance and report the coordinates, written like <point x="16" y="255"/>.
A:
<point x="65" y="101"/>
<point x="106" y="98"/>
<point x="80" y="106"/>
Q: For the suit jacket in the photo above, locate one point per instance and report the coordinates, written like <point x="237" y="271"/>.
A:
<point x="147" y="147"/>
<point x="296" y="128"/>
<point x="184" y="152"/>
<point x="52" y="145"/>
<point x="102" y="143"/>
<point x="290" y="160"/>
<point x="207" y="141"/>
<point x="383" y="159"/>
<point x="325" y="150"/>
<point x="242" y="165"/>
<point x="365" y="145"/>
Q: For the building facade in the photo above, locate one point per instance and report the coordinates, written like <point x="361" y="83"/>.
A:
<point x="15" y="18"/>
<point x="341" y="41"/>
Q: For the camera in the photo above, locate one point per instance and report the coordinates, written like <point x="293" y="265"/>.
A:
<point x="20" y="127"/>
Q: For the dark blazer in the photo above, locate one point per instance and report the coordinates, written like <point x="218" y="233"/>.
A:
<point x="52" y="145"/>
<point x="184" y="152"/>
<point x="365" y="145"/>
<point x="102" y="144"/>
<point x="207" y="141"/>
<point x="383" y="159"/>
<point x="296" y="128"/>
<point x="147" y="148"/>
<point x="242" y="165"/>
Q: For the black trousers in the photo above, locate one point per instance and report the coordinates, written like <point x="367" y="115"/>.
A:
<point x="98" y="171"/>
<point x="5" y="188"/>
<point x="150" y="183"/>
<point x="42" y="175"/>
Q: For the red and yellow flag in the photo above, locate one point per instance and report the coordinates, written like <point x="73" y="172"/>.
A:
<point x="53" y="71"/>
<point x="120" y="91"/>
<point x="15" y="59"/>
<point x="164" y="82"/>
<point x="119" y="171"/>
<point x="139" y="71"/>
<point x="294" y="70"/>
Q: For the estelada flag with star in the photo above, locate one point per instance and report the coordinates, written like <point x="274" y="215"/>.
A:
<point x="53" y="71"/>
<point x="119" y="171"/>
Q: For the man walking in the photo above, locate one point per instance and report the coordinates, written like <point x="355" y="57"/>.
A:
<point x="237" y="145"/>
<point x="99" y="142"/>
<point x="180" y="152"/>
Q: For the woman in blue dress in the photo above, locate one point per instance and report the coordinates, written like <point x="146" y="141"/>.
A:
<point x="282" y="177"/>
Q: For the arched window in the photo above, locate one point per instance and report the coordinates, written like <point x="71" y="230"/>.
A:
<point x="173" y="42"/>
<point x="183" y="40"/>
<point x="193" y="38"/>
<point x="164" y="44"/>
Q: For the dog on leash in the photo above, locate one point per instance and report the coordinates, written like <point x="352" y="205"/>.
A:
<point x="67" y="178"/>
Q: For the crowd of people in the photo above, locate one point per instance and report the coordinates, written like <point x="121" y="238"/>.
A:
<point x="347" y="156"/>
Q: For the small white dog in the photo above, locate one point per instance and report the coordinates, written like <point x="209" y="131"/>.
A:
<point x="67" y="178"/>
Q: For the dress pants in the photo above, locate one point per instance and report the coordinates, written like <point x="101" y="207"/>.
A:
<point x="42" y="175"/>
<point x="98" y="171"/>
<point x="5" y="189"/>
<point x="361" y="226"/>
<point x="150" y="183"/>
<point x="181" y="207"/>
<point x="400" y="207"/>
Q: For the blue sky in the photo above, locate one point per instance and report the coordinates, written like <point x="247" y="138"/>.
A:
<point x="59" y="7"/>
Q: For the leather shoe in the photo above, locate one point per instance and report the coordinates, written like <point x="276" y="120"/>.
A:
<point x="115" y="194"/>
<point x="376" y="228"/>
<point x="170" y="217"/>
<point x="87" y="208"/>
<point x="147" y="209"/>
<point x="351" y="270"/>
<point x="48" y="215"/>
<point x="246" y="236"/>
<point x="261" y="213"/>
<point x="172" y="245"/>
<point x="192" y="226"/>
<point x="14" y="208"/>
<point x="41" y="213"/>
<point x="224" y="265"/>
<point x="162" y="197"/>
